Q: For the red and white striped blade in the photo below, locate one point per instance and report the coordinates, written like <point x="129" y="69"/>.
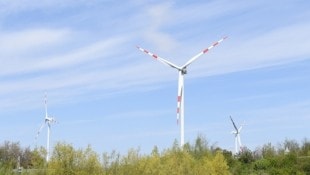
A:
<point x="159" y="58"/>
<point x="180" y="97"/>
<point x="45" y="105"/>
<point x="179" y="106"/>
<point x="203" y="52"/>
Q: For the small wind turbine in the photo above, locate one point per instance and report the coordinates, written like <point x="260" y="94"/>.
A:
<point x="47" y="121"/>
<point x="182" y="71"/>
<point x="236" y="132"/>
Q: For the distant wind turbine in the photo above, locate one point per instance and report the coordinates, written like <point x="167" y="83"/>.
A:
<point x="236" y="132"/>
<point x="182" y="71"/>
<point x="47" y="121"/>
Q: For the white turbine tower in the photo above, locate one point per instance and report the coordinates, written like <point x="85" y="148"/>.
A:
<point x="47" y="121"/>
<point x="182" y="71"/>
<point x="236" y="132"/>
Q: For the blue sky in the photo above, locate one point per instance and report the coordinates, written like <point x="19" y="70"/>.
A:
<point x="104" y="92"/>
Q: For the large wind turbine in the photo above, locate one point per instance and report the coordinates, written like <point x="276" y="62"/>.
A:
<point x="47" y="121"/>
<point x="182" y="71"/>
<point x="236" y="132"/>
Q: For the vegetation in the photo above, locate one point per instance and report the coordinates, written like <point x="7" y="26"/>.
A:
<point x="199" y="158"/>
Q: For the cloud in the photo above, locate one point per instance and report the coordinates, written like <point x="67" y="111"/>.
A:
<point x="16" y="43"/>
<point x="138" y="115"/>
<point x="8" y="7"/>
<point x="99" y="49"/>
<point x="112" y="64"/>
<point x="20" y="48"/>
<point x="159" y="16"/>
<point x="68" y="68"/>
<point x="279" y="46"/>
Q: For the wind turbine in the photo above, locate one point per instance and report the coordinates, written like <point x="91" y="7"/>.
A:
<point x="182" y="71"/>
<point x="236" y="132"/>
<point x="47" y="121"/>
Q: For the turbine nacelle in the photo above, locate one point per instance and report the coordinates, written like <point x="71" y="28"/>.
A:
<point x="184" y="71"/>
<point x="50" y="120"/>
<point x="234" y="132"/>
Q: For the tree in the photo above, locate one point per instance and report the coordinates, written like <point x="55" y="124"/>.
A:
<point x="177" y="161"/>
<point x="152" y="164"/>
<point x="38" y="158"/>
<point x="230" y="160"/>
<point x="66" y="160"/>
<point x="62" y="160"/>
<point x="112" y="163"/>
<point x="268" y="151"/>
<point x="201" y="148"/>
<point x="9" y="153"/>
<point x="291" y="145"/>
<point x="245" y="156"/>
<point x="219" y="164"/>
<point x="89" y="162"/>
<point x="305" y="148"/>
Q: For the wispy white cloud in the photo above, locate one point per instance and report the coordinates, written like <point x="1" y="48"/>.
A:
<point x="137" y="114"/>
<point x="28" y="42"/>
<point x="8" y="7"/>
<point x="275" y="47"/>
<point x="159" y="16"/>
<point x="19" y="42"/>
<point x="107" y="63"/>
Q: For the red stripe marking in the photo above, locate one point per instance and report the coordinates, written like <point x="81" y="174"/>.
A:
<point x="179" y="98"/>
<point x="178" y="110"/>
<point x="155" y="56"/>
<point x="145" y="51"/>
<point x="206" y="50"/>
<point x="215" y="43"/>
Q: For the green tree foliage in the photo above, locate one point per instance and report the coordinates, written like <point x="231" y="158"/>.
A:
<point x="9" y="153"/>
<point x="111" y="162"/>
<point x="268" y="151"/>
<point x="177" y="161"/>
<point x="12" y="156"/>
<point x="305" y="148"/>
<point x="194" y="159"/>
<point x="200" y="149"/>
<point x="68" y="161"/>
<point x="198" y="158"/>
<point x="38" y="158"/>
<point x="245" y="156"/>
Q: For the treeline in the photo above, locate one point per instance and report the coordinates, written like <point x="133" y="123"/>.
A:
<point x="198" y="158"/>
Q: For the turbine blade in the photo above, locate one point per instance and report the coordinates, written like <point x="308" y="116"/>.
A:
<point x="180" y="97"/>
<point x="159" y="58"/>
<point x="41" y="127"/>
<point x="240" y="128"/>
<point x="179" y="106"/>
<point x="234" y="124"/>
<point x="53" y="120"/>
<point x="202" y="52"/>
<point x="45" y="104"/>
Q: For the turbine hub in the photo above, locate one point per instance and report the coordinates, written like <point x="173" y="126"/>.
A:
<point x="184" y="71"/>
